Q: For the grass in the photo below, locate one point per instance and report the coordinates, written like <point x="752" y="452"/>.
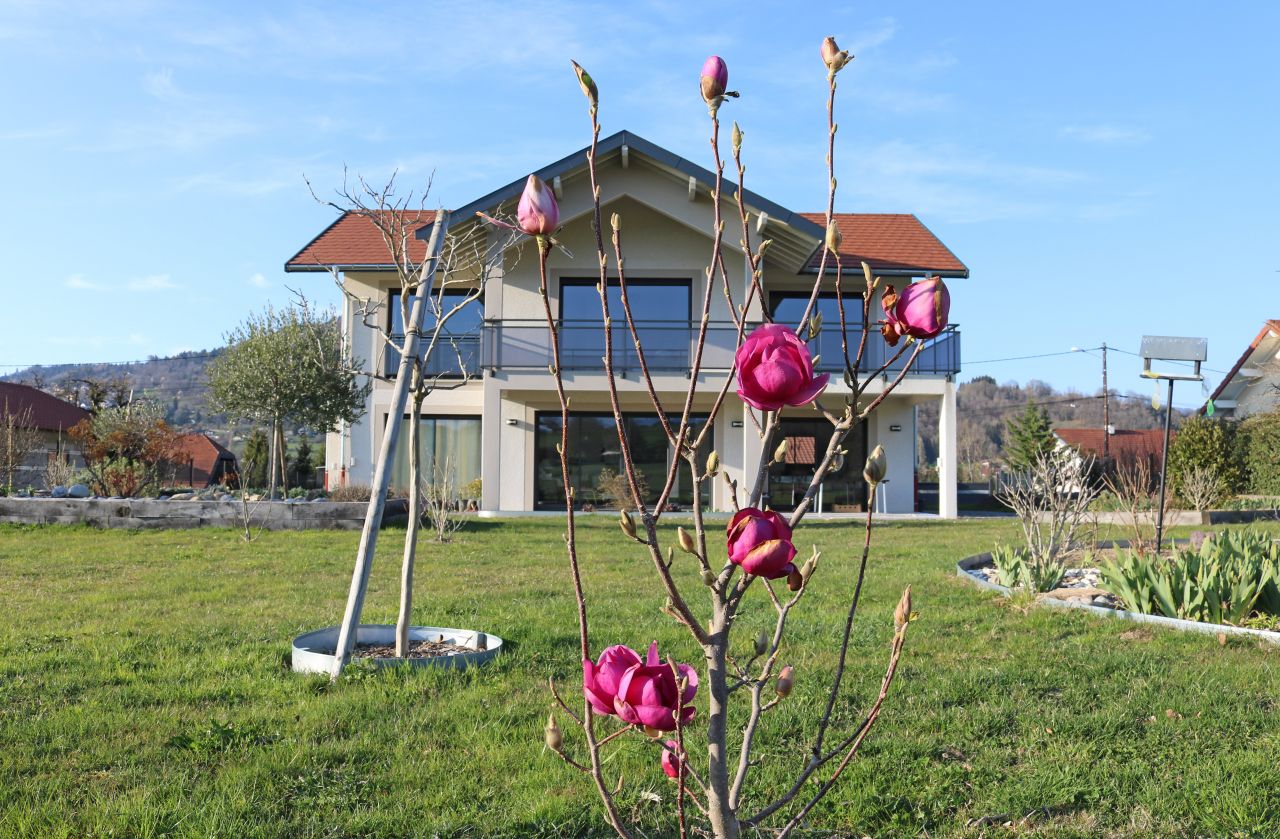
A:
<point x="143" y="693"/>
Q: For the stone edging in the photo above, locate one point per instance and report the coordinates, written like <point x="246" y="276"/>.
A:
<point x="962" y="570"/>
<point x="154" y="514"/>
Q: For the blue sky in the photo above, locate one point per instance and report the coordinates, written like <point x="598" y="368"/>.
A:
<point x="1106" y="170"/>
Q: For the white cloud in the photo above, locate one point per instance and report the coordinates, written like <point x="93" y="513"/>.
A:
<point x="154" y="282"/>
<point x="1105" y="134"/>
<point x="78" y="282"/>
<point x="160" y="84"/>
<point x="259" y="281"/>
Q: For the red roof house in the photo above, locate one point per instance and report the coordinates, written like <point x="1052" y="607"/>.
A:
<point x="1123" y="446"/>
<point x="202" y="462"/>
<point x="48" y="413"/>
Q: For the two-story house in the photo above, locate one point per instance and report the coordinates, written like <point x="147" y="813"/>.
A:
<point x="503" y="424"/>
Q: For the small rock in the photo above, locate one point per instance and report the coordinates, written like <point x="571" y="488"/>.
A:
<point x="182" y="496"/>
<point x="58" y="492"/>
<point x="78" y="491"/>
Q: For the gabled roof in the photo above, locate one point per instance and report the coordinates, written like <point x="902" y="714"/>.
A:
<point x="1147" y="442"/>
<point x="48" y="413"/>
<point x="1263" y="349"/>
<point x="891" y="243"/>
<point x="354" y="241"/>
<point x="199" y="455"/>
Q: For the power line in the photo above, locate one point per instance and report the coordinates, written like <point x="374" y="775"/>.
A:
<point x="1026" y="357"/>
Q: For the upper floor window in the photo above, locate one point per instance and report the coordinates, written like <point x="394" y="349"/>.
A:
<point x="651" y="300"/>
<point x="458" y="352"/>
<point x="463" y="322"/>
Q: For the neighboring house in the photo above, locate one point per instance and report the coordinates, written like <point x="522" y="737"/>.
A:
<point x="503" y="424"/>
<point x="201" y="462"/>
<point x="1123" y="446"/>
<point x="1253" y="384"/>
<point x="52" y="418"/>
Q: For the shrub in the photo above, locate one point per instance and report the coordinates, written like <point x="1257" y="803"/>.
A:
<point x="1262" y="453"/>
<point x="351" y="492"/>
<point x="614" y="490"/>
<point x="1205" y="444"/>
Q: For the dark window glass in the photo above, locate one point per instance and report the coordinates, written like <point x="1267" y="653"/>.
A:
<point x="807" y="441"/>
<point x="788" y="308"/>
<point x="660" y="308"/>
<point x="595" y="459"/>
<point x="461" y="332"/>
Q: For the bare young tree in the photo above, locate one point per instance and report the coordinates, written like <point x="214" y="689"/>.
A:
<point x="717" y="788"/>
<point x="449" y="283"/>
<point x="1051" y="499"/>
<point x="1201" y="486"/>
<point x="19" y="439"/>
<point x="441" y="499"/>
<point x="1132" y="482"/>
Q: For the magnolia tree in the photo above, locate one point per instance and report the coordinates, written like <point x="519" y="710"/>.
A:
<point x="625" y="693"/>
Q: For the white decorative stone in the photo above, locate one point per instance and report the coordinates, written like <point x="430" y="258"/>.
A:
<point x="78" y="491"/>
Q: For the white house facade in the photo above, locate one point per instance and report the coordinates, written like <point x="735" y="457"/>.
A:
<point x="1252" y="385"/>
<point x="501" y="423"/>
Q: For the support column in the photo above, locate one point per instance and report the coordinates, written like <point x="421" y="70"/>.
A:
<point x="491" y="446"/>
<point x="948" y="504"/>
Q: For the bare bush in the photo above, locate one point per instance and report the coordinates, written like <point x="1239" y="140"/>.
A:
<point x="442" y="504"/>
<point x="1051" y="499"/>
<point x="1133" y="482"/>
<point x="19" y="438"/>
<point x="1201" y="487"/>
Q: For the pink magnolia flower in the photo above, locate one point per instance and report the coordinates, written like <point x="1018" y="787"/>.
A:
<point x="919" y="311"/>
<point x="649" y="694"/>
<point x="600" y="680"/>
<point x="775" y="369"/>
<point x="715" y="78"/>
<point x="537" y="211"/>
<point x="760" y="543"/>
<point x="670" y="761"/>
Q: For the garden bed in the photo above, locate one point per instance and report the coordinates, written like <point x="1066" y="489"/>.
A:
<point x="1096" y="601"/>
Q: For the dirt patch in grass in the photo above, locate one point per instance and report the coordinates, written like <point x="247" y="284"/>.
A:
<point x="417" y="649"/>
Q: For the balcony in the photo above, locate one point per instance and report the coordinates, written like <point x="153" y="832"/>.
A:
<point x="518" y="345"/>
<point x="668" y="348"/>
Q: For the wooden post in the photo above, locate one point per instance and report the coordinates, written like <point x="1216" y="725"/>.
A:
<point x="382" y="474"/>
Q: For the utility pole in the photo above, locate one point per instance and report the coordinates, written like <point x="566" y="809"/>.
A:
<point x="1106" y="408"/>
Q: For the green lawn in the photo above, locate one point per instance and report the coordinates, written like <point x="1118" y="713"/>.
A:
<point x="143" y="693"/>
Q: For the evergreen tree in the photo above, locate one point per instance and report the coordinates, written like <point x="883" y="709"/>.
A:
<point x="253" y="465"/>
<point x="1028" y="437"/>
<point x="300" y="466"/>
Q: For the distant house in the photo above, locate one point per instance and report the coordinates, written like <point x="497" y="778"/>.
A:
<point x="202" y="462"/>
<point x="52" y="418"/>
<point x="1123" y="446"/>
<point x="1253" y="384"/>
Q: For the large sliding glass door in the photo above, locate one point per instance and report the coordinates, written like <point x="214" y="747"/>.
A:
<point x="844" y="489"/>
<point x="595" y="456"/>
<point x="449" y="444"/>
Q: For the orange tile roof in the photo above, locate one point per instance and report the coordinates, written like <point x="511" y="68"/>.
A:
<point x="48" y="413"/>
<point x="196" y="457"/>
<point x="353" y="240"/>
<point x="889" y="242"/>
<point x="1147" y="442"/>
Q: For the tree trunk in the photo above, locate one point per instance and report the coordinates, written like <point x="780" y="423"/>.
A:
<point x="415" y="519"/>
<point x="284" y="461"/>
<point x="724" y="821"/>
<point x="271" y="461"/>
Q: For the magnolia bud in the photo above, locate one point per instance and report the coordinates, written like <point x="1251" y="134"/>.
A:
<point x="902" y="614"/>
<point x="815" y="329"/>
<point x="833" y="238"/>
<point x="795" y="580"/>
<point x="810" y="565"/>
<point x="552" y="736"/>
<point x="686" y="541"/>
<point x="587" y="84"/>
<point x="627" y="523"/>
<point x="762" y="643"/>
<point x="780" y="453"/>
<point x="874" y="470"/>
<point x="785" y="681"/>
<point x="708" y="577"/>
<point x="615" y="221"/>
<point x="737" y="138"/>
<point x="834" y="57"/>
<point x="764" y="246"/>
<point x="713" y="463"/>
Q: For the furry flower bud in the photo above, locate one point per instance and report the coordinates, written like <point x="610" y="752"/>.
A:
<point x="876" y="465"/>
<point x="786" y="680"/>
<point x="902" y="614"/>
<point x="713" y="463"/>
<point x="780" y="453"/>
<point x="762" y="643"/>
<point x="587" y="84"/>
<point x="552" y="735"/>
<point x="686" y="541"/>
<point x="834" y="57"/>
<point x="627" y="523"/>
<point x="833" y="237"/>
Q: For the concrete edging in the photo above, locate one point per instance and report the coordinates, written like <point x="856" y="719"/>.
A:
<point x="315" y="652"/>
<point x="962" y="570"/>
<point x="157" y="514"/>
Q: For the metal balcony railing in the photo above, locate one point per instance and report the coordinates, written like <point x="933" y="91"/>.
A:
<point x="668" y="348"/>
